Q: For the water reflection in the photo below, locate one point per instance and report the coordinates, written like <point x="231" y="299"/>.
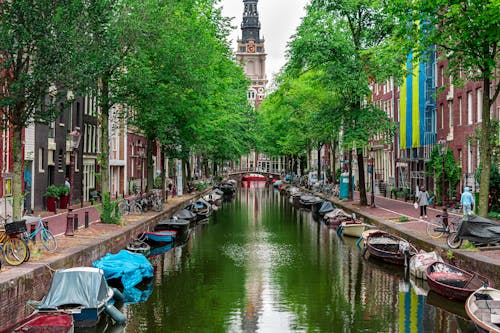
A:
<point x="266" y="266"/>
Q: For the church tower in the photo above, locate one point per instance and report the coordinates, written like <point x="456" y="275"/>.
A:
<point x="251" y="53"/>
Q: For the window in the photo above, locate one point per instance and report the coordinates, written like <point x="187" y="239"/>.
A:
<point x="469" y="157"/>
<point x="76" y="162"/>
<point x="450" y="113"/>
<point x="52" y="130"/>
<point x="460" y="111"/>
<point x="60" y="161"/>
<point x="441" y="75"/>
<point x="442" y="115"/>
<point x="479" y="97"/>
<point x="41" y="159"/>
<point x="469" y="107"/>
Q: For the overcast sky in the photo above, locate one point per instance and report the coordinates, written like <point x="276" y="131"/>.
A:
<point x="278" y="19"/>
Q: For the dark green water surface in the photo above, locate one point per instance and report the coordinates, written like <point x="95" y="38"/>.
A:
<point x="261" y="265"/>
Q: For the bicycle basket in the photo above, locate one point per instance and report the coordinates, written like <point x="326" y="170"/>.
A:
<point x="15" y="227"/>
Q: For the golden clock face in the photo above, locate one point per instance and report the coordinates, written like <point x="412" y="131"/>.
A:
<point x="251" y="48"/>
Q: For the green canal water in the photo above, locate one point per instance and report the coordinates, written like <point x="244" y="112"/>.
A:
<point x="261" y="265"/>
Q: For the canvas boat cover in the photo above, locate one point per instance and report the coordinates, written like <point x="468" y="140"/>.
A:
<point x="85" y="286"/>
<point x="131" y="268"/>
<point x="185" y="214"/>
<point x="480" y="230"/>
<point x="326" y="207"/>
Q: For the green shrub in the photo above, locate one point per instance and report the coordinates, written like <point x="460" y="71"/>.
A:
<point x="109" y="212"/>
<point x="63" y="190"/>
<point x="52" y="191"/>
<point x="494" y="215"/>
<point x="403" y="219"/>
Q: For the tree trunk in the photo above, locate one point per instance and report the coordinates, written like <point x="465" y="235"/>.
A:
<point x="361" y="175"/>
<point x="319" y="163"/>
<point x="17" y="177"/>
<point x="486" y="151"/>
<point x="104" y="124"/>
<point x="350" y="195"/>
<point x="163" y="175"/>
<point x="149" y="164"/>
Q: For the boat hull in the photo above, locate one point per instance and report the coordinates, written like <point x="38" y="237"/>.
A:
<point x="47" y="323"/>
<point x="353" y="229"/>
<point x="253" y="177"/>
<point x="453" y="282"/>
<point x="483" y="308"/>
<point x="387" y="247"/>
<point x="164" y="236"/>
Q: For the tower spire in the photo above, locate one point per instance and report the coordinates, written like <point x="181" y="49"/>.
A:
<point x="250" y="27"/>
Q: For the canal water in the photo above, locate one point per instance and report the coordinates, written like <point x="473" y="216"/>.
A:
<point x="261" y="265"/>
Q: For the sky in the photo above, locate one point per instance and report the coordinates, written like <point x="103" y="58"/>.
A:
<point x="278" y="21"/>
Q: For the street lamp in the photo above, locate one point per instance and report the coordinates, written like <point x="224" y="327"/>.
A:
<point x="74" y="144"/>
<point x="371" y="171"/>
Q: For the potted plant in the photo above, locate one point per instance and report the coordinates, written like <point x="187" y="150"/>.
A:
<point x="52" y="194"/>
<point x="63" y="196"/>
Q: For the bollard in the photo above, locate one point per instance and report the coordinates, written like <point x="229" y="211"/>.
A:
<point x="75" y="221"/>
<point x="69" y="223"/>
<point x="86" y="219"/>
<point x="32" y="230"/>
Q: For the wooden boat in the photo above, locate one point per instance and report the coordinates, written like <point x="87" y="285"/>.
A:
<point x="201" y="208"/>
<point x="389" y="248"/>
<point x="84" y="293"/>
<point x="254" y="177"/>
<point x="306" y="201"/>
<point x="139" y="245"/>
<point x="352" y="228"/>
<point x="483" y="308"/>
<point x="43" y="322"/>
<point x="161" y="236"/>
<point x="185" y="214"/>
<point x="334" y="218"/>
<point x="178" y="225"/>
<point x="420" y="261"/>
<point x="453" y="282"/>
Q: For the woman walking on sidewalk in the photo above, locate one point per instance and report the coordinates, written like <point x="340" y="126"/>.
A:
<point x="423" y="201"/>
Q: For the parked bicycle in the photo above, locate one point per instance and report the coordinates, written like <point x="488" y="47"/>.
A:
<point x="442" y="225"/>
<point x="48" y="240"/>
<point x="130" y="206"/>
<point x="14" y="249"/>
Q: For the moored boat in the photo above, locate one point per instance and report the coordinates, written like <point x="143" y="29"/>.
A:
<point x="201" y="208"/>
<point x="43" y="322"/>
<point x="306" y="201"/>
<point x="179" y="225"/>
<point x="389" y="248"/>
<point x="483" y="308"/>
<point x="185" y="214"/>
<point x="352" y="228"/>
<point x="453" y="282"/>
<point x="161" y="236"/>
<point x="254" y="177"/>
<point x="84" y="293"/>
<point x="138" y="245"/>
<point x="420" y="261"/>
<point x="127" y="267"/>
<point x="334" y="218"/>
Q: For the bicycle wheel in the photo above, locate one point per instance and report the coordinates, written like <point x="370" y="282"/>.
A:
<point x="136" y="208"/>
<point x="26" y="239"/>
<point x="15" y="251"/>
<point x="453" y="240"/>
<point x="123" y="207"/>
<point x="435" y="229"/>
<point x="48" y="240"/>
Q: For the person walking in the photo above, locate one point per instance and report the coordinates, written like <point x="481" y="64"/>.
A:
<point x="423" y="201"/>
<point x="467" y="200"/>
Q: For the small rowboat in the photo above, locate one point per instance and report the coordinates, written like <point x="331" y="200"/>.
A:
<point x="453" y="282"/>
<point x="46" y="322"/>
<point x="483" y="308"/>
<point x="161" y="236"/>
<point x="389" y="248"/>
<point x="353" y="228"/>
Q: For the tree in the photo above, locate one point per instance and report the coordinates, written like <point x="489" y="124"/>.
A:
<point x="343" y="45"/>
<point x="466" y="33"/>
<point x="36" y="48"/>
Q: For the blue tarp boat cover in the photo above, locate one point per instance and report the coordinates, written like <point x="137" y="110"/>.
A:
<point x="138" y="294"/>
<point x="80" y="285"/>
<point x="326" y="207"/>
<point x="130" y="267"/>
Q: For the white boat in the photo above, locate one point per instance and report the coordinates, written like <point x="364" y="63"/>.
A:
<point x="420" y="262"/>
<point x="483" y="308"/>
<point x="353" y="228"/>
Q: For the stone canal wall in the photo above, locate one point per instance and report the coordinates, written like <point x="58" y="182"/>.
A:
<point x="31" y="280"/>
